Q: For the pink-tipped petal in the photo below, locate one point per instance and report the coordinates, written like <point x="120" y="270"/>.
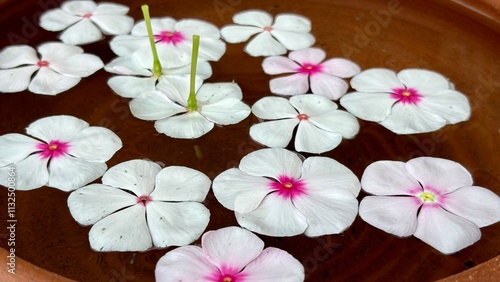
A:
<point x="409" y="119"/>
<point x="368" y="106"/>
<point x="451" y="105"/>
<point x="238" y="34"/>
<point x="442" y="175"/>
<point x="376" y="80"/>
<point x="178" y="183"/>
<point x="131" y="86"/>
<point x="427" y="82"/>
<point x="187" y="126"/>
<point x="18" y="55"/>
<point x="83" y="32"/>
<point x="137" y="176"/>
<point x="312" y="139"/>
<point x="341" y="67"/>
<point x="444" y="231"/>
<point x="276" y="133"/>
<point x="394" y="215"/>
<point x="188" y="263"/>
<point x="279" y="65"/>
<point x="154" y="105"/>
<point x="15" y="147"/>
<point x="16" y="80"/>
<point x="31" y="173"/>
<point x="312" y="56"/>
<point x="57" y="20"/>
<point x="476" y="204"/>
<point x="95" y="144"/>
<point x="328" y="85"/>
<point x="275" y="265"/>
<point x="49" y="82"/>
<point x="176" y="224"/>
<point x="292" y="40"/>
<point x="63" y="128"/>
<point x="272" y="162"/>
<point x="69" y="173"/>
<point x="265" y="45"/>
<point x="274" y="108"/>
<point x="253" y="17"/>
<point x="389" y="178"/>
<point x="290" y="85"/>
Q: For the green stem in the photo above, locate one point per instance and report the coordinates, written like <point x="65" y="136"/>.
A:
<point x="157" y="70"/>
<point x="192" y="103"/>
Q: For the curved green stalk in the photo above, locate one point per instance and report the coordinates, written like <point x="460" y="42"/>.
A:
<point x="192" y="103"/>
<point x="157" y="70"/>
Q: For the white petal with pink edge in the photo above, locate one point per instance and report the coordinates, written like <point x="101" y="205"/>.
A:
<point x="137" y="176"/>
<point x="178" y="183"/>
<point x="272" y="162"/>
<point x="186" y="263"/>
<point x="275" y="265"/>
<point x="389" y="178"/>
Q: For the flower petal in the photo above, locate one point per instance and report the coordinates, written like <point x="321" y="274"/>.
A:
<point x="14" y="56"/>
<point x="292" y="40"/>
<point x="425" y="81"/>
<point x="448" y="104"/>
<point x="225" y="112"/>
<point x="128" y="65"/>
<point x="79" y="8"/>
<point x="442" y="175"/>
<point x="110" y="8"/>
<point x="328" y="85"/>
<point x="188" y="263"/>
<point x="476" y="204"/>
<point x="322" y="173"/>
<point x="154" y="105"/>
<point x="376" y="80"/>
<point x="231" y="246"/>
<point x="171" y="56"/>
<point x="312" y="56"/>
<point x="48" y="82"/>
<point x="279" y="65"/>
<point x="203" y="71"/>
<point x="274" y="265"/>
<point x="410" y="119"/>
<point x="340" y="67"/>
<point x="239" y="191"/>
<point x="177" y="88"/>
<point x="265" y="45"/>
<point x="368" y="106"/>
<point x="389" y="178"/>
<point x="69" y="173"/>
<point x="178" y="183"/>
<point x="253" y="17"/>
<point x="62" y="128"/>
<point x="274" y="217"/>
<point x="292" y="22"/>
<point x="395" y="215"/>
<point x="312" y="139"/>
<point x="290" y="85"/>
<point x="237" y="34"/>
<point x="123" y="45"/>
<point x="189" y="125"/>
<point x="337" y="121"/>
<point x="96" y="201"/>
<point x="31" y="173"/>
<point x="113" y="24"/>
<point x="137" y="176"/>
<point x="82" y="32"/>
<point x="176" y="224"/>
<point x="210" y="49"/>
<point x="130" y="86"/>
<point x="123" y="231"/>
<point x="312" y="105"/>
<point x="210" y="93"/>
<point x="80" y="65"/>
<point x="444" y="231"/>
<point x="16" y="80"/>
<point x="57" y="51"/>
<point x="57" y="20"/>
<point x="15" y="147"/>
<point x="95" y="144"/>
<point x="274" y="108"/>
<point x="272" y="162"/>
<point x="276" y="133"/>
<point x="202" y="28"/>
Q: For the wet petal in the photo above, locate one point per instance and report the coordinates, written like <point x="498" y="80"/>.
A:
<point x="15" y="147"/>
<point x="409" y="119"/>
<point x="113" y="24"/>
<point x="290" y="85"/>
<point x="448" y="104"/>
<point x="131" y="86"/>
<point x="274" y="108"/>
<point x="137" y="176"/>
<point x="239" y="191"/>
<point x="395" y="215"/>
<point x="96" y="201"/>
<point x="253" y="17"/>
<point x="279" y="65"/>
<point x="389" y="178"/>
<point x="272" y="162"/>
<point x="57" y="20"/>
<point x="368" y="106"/>
<point x="442" y="175"/>
<point x="31" y="173"/>
<point x="264" y="45"/>
<point x="69" y="173"/>
<point x="425" y="81"/>
<point x="312" y="139"/>
<point x="62" y="128"/>
<point x="176" y="224"/>
<point x="16" y="80"/>
<point x="177" y="88"/>
<point x="275" y="216"/>
<point x="225" y="112"/>
<point x="154" y="105"/>
<point x="276" y="133"/>
<point x="187" y="126"/>
<point x="82" y="32"/>
<point x="312" y="56"/>
<point x="274" y="265"/>
<point x="340" y="67"/>
<point x="376" y="80"/>
<point x="14" y="56"/>
<point x="238" y="34"/>
<point x="122" y="231"/>
<point x="178" y="183"/>
<point x="187" y="263"/>
<point x="292" y="22"/>
<point x="48" y="82"/>
<point x="231" y="246"/>
<point x="327" y="85"/>
<point x="476" y="204"/>
<point x="444" y="231"/>
<point x="95" y="144"/>
<point x="337" y="121"/>
<point x="292" y="40"/>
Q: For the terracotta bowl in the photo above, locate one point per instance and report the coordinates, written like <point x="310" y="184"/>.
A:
<point x="460" y="39"/>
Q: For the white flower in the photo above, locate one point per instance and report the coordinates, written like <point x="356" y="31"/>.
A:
<point x="320" y="125"/>
<point x="69" y="155"/>
<point x="173" y="42"/>
<point x="60" y="68"/>
<point x="307" y="64"/>
<point x="274" y="193"/>
<point x="430" y="198"/>
<point x="139" y="206"/>
<point x="229" y="254"/>
<point x="136" y="75"/>
<point x="412" y="101"/>
<point x="288" y="32"/>
<point x="86" y="21"/>
<point x="218" y="103"/>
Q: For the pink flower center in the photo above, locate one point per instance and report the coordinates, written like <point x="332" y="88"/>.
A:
<point x="310" y="69"/>
<point x="287" y="187"/>
<point x="227" y="274"/>
<point x="144" y="200"/>
<point x="169" y="37"/>
<point x="87" y="15"/>
<point x="406" y="96"/>
<point x="54" y="149"/>
<point x="42" y="63"/>
<point x="268" y="28"/>
<point x="302" y="117"/>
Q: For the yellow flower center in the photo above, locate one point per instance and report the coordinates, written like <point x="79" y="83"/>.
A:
<point x="227" y="279"/>
<point x="427" y="197"/>
<point x="406" y="93"/>
<point x="53" y="147"/>
<point x="288" y="185"/>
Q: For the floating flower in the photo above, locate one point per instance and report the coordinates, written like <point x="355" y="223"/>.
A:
<point x="288" y="32"/>
<point x="60" y="68"/>
<point x="68" y="154"/>
<point x="430" y="198"/>
<point x="85" y="21"/>
<point x="320" y="125"/>
<point x="307" y="65"/>
<point x="139" y="206"/>
<point x="412" y="101"/>
<point x="229" y="254"/>
<point x="173" y="41"/>
<point x="274" y="193"/>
